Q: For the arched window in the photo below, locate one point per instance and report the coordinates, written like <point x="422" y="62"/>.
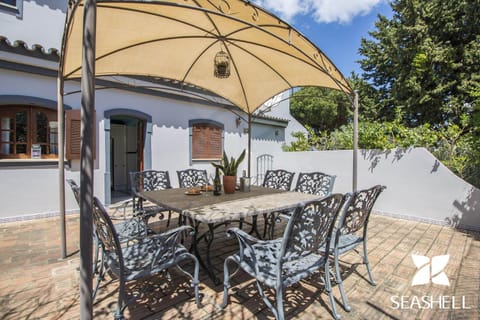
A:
<point x="28" y="132"/>
<point x="206" y="140"/>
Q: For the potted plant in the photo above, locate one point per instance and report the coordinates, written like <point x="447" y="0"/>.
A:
<point x="229" y="169"/>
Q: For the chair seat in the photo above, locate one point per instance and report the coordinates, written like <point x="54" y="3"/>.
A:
<point x="146" y="257"/>
<point x="131" y="228"/>
<point x="347" y="242"/>
<point x="267" y="255"/>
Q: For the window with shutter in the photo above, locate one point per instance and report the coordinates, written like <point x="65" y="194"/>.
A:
<point x="206" y="140"/>
<point x="73" y="136"/>
<point x="24" y="128"/>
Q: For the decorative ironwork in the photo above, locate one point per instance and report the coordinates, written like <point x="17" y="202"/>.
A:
<point x="148" y="180"/>
<point x="191" y="178"/>
<point x="353" y="231"/>
<point x="359" y="211"/>
<point x="317" y="183"/>
<point x="141" y="257"/>
<point x="221" y="65"/>
<point x="285" y="261"/>
<point x="278" y="179"/>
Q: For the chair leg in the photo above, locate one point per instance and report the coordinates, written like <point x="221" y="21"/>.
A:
<point x="366" y="262"/>
<point x="226" y="284"/>
<point x="95" y="257"/>
<point x="280" y="313"/>
<point x="195" y="282"/>
<point x="328" y="289"/>
<point x="100" y="273"/>
<point x="120" y="301"/>
<point x="338" y="277"/>
<point x="269" y="227"/>
<point x="169" y="217"/>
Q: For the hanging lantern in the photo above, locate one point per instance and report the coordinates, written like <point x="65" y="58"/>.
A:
<point x="222" y="65"/>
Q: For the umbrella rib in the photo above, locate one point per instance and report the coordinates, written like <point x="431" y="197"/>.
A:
<point x="260" y="27"/>
<point x="239" y="80"/>
<point x="137" y="45"/>
<point x="321" y="66"/>
<point x="160" y="16"/>
<point x="198" y="58"/>
<point x="264" y="62"/>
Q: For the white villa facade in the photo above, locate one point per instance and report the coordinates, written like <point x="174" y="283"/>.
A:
<point x="137" y="127"/>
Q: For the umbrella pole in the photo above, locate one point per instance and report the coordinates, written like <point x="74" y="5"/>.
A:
<point x="355" y="142"/>
<point x="249" y="142"/>
<point x="86" y="162"/>
<point x="61" y="163"/>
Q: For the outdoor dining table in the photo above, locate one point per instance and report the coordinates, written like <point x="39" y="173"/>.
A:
<point x="215" y="211"/>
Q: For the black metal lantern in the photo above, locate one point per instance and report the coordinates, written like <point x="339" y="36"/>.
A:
<point x="222" y="65"/>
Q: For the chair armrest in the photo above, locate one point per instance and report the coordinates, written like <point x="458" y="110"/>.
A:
<point x="120" y="206"/>
<point x="246" y="242"/>
<point x="176" y="231"/>
<point x="167" y="242"/>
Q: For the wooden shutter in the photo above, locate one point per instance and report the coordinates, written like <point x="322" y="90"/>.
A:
<point x="206" y="142"/>
<point x="73" y="137"/>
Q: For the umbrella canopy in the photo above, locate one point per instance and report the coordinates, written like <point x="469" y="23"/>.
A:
<point x="229" y="47"/>
<point x="232" y="48"/>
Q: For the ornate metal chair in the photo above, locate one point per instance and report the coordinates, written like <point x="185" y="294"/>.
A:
<point x="148" y="180"/>
<point x="351" y="231"/>
<point x="190" y="178"/>
<point x="276" y="179"/>
<point x="138" y="258"/>
<point x="282" y="262"/>
<point x="317" y="183"/>
<point x="126" y="226"/>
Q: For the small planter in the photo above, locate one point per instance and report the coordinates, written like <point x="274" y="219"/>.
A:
<point x="229" y="184"/>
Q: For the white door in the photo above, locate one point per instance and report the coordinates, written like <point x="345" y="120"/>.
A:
<point x="118" y="133"/>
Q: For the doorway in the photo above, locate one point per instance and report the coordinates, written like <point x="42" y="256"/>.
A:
<point x="126" y="153"/>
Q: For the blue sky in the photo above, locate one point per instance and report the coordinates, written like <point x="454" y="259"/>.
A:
<point x="335" y="26"/>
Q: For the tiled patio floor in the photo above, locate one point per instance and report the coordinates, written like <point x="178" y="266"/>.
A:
<point x="36" y="284"/>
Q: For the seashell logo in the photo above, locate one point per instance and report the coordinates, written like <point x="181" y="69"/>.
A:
<point x="430" y="270"/>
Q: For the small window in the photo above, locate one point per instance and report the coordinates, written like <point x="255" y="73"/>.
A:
<point x="27" y="128"/>
<point x="206" y="140"/>
<point x="13" y="6"/>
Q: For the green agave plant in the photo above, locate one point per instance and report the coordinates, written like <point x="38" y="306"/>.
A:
<point x="229" y="167"/>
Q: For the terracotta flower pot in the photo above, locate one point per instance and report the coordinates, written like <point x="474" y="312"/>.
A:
<point x="229" y="184"/>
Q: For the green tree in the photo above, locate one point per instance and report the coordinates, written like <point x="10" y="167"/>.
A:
<point x="320" y="108"/>
<point x="424" y="60"/>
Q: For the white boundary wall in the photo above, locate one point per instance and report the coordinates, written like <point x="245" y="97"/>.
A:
<point x="418" y="186"/>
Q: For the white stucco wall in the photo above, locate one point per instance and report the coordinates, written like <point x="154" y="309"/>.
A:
<point x="418" y="185"/>
<point x="42" y="23"/>
<point x="279" y="107"/>
<point x="34" y="190"/>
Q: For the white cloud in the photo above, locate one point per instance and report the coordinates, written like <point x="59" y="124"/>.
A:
<point x="326" y="11"/>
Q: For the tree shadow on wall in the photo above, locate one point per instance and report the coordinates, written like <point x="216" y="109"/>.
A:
<point x="376" y="156"/>
<point x="470" y="212"/>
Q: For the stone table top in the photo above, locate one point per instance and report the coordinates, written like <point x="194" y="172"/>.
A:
<point x="208" y="208"/>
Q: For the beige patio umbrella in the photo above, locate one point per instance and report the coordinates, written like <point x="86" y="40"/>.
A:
<point x="229" y="47"/>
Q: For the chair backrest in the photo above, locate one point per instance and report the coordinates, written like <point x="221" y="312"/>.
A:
<point x="191" y="178"/>
<point x="316" y="183"/>
<point x="149" y="180"/>
<point x="75" y="189"/>
<point x="264" y="163"/>
<point x="278" y="179"/>
<point x="310" y="227"/>
<point x="358" y="212"/>
<point x="107" y="235"/>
